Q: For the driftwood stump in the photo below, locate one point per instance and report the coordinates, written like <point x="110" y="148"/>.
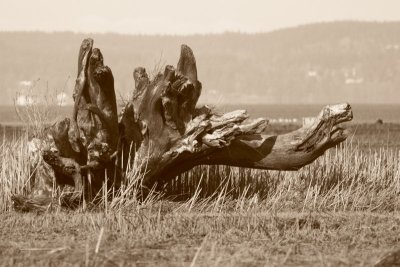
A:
<point x="161" y="133"/>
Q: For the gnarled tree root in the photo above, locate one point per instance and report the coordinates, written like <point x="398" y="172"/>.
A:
<point x="162" y="134"/>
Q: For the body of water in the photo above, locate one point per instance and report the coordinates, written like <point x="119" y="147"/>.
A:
<point x="363" y="113"/>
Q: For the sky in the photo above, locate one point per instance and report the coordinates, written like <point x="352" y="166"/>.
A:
<point x="185" y="17"/>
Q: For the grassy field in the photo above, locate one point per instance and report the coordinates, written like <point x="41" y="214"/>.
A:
<point x="167" y="234"/>
<point x="341" y="210"/>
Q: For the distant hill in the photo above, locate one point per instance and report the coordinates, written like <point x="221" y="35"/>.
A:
<point x="358" y="62"/>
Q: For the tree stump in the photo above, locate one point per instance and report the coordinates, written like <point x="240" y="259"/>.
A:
<point x="161" y="133"/>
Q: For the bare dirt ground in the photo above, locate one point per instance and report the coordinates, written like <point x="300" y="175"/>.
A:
<point x="166" y="237"/>
<point x="342" y="210"/>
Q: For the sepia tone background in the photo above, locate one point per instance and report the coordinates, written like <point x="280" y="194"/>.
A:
<point x="283" y="60"/>
<point x="249" y="53"/>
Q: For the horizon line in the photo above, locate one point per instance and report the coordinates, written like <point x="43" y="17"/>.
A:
<point x="203" y="33"/>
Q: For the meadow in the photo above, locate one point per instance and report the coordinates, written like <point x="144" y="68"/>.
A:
<point x="341" y="210"/>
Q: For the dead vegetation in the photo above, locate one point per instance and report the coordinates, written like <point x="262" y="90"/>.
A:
<point x="340" y="210"/>
<point x="161" y="133"/>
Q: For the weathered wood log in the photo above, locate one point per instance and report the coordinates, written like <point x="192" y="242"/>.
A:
<point x="175" y="136"/>
<point x="82" y="154"/>
<point x="103" y="144"/>
<point x="80" y="94"/>
<point x="45" y="178"/>
<point x="161" y="133"/>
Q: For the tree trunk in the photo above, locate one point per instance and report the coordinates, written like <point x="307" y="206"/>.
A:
<point x="162" y="133"/>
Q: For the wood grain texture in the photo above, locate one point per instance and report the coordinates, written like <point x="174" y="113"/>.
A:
<point x="162" y="133"/>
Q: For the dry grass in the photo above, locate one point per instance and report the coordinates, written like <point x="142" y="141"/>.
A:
<point x="164" y="234"/>
<point x="343" y="209"/>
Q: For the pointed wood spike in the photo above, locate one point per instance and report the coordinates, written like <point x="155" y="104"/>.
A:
<point x="84" y="52"/>
<point x="187" y="64"/>
<point x="169" y="73"/>
<point x="140" y="76"/>
<point x="139" y="73"/>
<point x="96" y="57"/>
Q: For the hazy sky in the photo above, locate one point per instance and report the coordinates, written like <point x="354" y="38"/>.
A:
<point x="184" y="17"/>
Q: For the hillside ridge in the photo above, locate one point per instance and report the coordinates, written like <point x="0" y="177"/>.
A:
<point x="358" y="62"/>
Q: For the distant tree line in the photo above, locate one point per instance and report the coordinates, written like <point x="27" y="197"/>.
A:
<point x="357" y="62"/>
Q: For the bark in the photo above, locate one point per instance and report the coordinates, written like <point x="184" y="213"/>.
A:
<point x="161" y="133"/>
<point x="172" y="136"/>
